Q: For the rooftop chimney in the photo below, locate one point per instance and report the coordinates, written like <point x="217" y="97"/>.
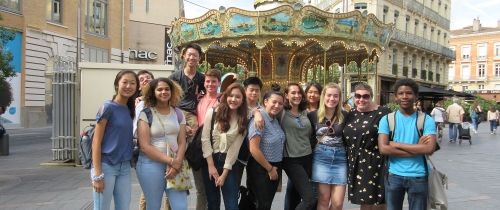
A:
<point x="476" y="25"/>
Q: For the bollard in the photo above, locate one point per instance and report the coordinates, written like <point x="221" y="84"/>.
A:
<point x="4" y="144"/>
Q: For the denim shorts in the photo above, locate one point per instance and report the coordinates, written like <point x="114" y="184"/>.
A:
<point x="329" y="165"/>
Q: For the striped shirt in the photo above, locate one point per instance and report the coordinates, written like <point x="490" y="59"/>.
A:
<point x="272" y="138"/>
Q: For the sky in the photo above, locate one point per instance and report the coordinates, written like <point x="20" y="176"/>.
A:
<point x="463" y="12"/>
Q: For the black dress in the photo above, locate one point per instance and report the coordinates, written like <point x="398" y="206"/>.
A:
<point x="365" y="180"/>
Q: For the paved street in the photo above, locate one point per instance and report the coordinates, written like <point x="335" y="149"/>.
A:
<point x="474" y="180"/>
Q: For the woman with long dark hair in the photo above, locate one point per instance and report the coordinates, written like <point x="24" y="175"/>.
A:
<point x="221" y="146"/>
<point x="112" y="145"/>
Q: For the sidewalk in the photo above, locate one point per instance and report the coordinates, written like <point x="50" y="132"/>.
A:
<point x="473" y="171"/>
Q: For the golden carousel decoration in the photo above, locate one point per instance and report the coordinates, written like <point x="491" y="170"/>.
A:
<point x="288" y="43"/>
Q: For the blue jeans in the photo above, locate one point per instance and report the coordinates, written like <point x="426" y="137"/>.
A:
<point x="453" y="131"/>
<point x="396" y="186"/>
<point x="475" y="123"/>
<point x="493" y="125"/>
<point x="151" y="175"/>
<point x="230" y="189"/>
<point x="117" y="186"/>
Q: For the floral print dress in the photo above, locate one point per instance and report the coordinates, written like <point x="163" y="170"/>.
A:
<point x="366" y="165"/>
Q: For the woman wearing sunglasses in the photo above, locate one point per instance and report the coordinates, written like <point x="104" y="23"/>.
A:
<point x="329" y="168"/>
<point x="366" y="164"/>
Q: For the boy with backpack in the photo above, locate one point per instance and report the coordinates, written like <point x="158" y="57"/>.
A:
<point x="406" y="136"/>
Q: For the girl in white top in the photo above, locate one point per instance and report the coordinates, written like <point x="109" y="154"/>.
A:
<point x="166" y="133"/>
<point x="493" y="118"/>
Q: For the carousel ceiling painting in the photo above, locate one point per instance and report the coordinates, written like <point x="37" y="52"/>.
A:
<point x="286" y="43"/>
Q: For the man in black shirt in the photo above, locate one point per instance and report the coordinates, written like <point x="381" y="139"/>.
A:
<point x="192" y="83"/>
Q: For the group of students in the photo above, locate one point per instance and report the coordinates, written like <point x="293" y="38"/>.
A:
<point x="324" y="150"/>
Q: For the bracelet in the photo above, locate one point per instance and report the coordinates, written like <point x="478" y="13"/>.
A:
<point x="97" y="178"/>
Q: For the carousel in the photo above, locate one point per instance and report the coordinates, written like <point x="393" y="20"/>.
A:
<point x="283" y="41"/>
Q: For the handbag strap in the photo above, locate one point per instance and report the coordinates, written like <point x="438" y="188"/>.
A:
<point x="212" y="126"/>
<point x="432" y="163"/>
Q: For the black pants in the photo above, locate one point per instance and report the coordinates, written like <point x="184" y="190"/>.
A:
<point x="259" y="184"/>
<point x="299" y="191"/>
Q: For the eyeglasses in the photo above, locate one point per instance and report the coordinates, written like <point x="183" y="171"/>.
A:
<point x="364" y="96"/>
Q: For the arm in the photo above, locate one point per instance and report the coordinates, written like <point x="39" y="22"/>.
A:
<point x="206" y="145"/>
<point x="386" y="148"/>
<point x="259" y="157"/>
<point x="96" y="153"/>
<point x="258" y="119"/>
<point x="425" y="146"/>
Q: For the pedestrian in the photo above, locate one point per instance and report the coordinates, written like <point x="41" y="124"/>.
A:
<point x="455" y="114"/>
<point x="406" y="147"/>
<point x="192" y="84"/>
<point x="493" y="118"/>
<point x="313" y="91"/>
<point x="439" y="116"/>
<point x="475" y="112"/>
<point x="266" y="149"/>
<point x="329" y="167"/>
<point x="297" y="160"/>
<point x="366" y="164"/>
<point x="112" y="145"/>
<point x="221" y="146"/>
<point x="162" y="144"/>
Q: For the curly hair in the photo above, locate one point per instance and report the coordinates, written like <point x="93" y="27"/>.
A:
<point x="303" y="102"/>
<point x="223" y="114"/>
<point x="175" y="92"/>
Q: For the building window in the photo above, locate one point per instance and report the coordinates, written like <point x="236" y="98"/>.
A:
<point x="407" y="24"/>
<point x="54" y="11"/>
<point x="96" y="54"/>
<point x="396" y="15"/>
<point x="11" y="5"/>
<point x="464" y="88"/>
<point x="497" y="49"/>
<point x="465" y="72"/>
<point x="360" y="6"/>
<point x="451" y="72"/>
<point x="481" y="51"/>
<point x="497" y="69"/>
<point x="97" y="16"/>
<point x="415" y="30"/>
<point x="481" y="87"/>
<point x="481" y="71"/>
<point x="497" y="87"/>
<point x="466" y="52"/>
<point x="424" y="32"/>
<point x="384" y="15"/>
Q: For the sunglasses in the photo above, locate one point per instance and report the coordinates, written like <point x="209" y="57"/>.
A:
<point x="330" y="127"/>
<point x="299" y="122"/>
<point x="364" y="96"/>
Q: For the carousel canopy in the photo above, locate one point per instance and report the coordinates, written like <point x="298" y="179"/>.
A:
<point x="286" y="42"/>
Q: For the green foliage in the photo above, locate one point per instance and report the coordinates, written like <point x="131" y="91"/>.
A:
<point x="466" y="104"/>
<point x="5" y="94"/>
<point x="392" y="106"/>
<point x="6" y="69"/>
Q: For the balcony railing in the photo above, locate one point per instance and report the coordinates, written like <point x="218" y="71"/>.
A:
<point x="427" y="12"/>
<point x="420" y="42"/>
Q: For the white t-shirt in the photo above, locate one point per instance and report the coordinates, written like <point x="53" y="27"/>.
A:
<point x="438" y="114"/>
<point x="161" y="135"/>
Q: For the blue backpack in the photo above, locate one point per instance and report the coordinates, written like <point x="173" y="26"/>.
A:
<point x="85" y="149"/>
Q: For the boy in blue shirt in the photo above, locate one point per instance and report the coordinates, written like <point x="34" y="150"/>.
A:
<point x="407" y="171"/>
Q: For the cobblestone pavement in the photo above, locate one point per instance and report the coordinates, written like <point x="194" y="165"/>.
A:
<point x="473" y="171"/>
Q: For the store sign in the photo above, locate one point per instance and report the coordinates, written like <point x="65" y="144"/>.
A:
<point x="169" y="51"/>
<point x="143" y="55"/>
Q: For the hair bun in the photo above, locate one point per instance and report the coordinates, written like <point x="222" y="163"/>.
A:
<point x="275" y="87"/>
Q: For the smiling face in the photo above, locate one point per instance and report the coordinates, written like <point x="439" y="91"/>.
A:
<point x="211" y="84"/>
<point x="294" y="96"/>
<point x="144" y="79"/>
<point x="163" y="92"/>
<point x="253" y="93"/>
<point x="127" y="85"/>
<point x="332" y="98"/>
<point x="405" y="97"/>
<point x="362" y="99"/>
<point x="273" y="104"/>
<point x="312" y="95"/>
<point x="191" y="57"/>
<point x="235" y="99"/>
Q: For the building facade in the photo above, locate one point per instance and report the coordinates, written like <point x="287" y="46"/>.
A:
<point x="419" y="45"/>
<point x="49" y="38"/>
<point x="477" y="66"/>
<point x="150" y="22"/>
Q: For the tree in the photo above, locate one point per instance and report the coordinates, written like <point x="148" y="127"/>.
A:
<point x="6" y="69"/>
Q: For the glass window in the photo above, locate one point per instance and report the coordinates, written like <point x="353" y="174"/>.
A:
<point x="481" y="87"/>
<point x="54" y="11"/>
<point x="481" y="51"/>
<point x="11" y="5"/>
<point x="497" y="49"/>
<point x="451" y="72"/>
<point x="96" y="54"/>
<point x="481" y="70"/>
<point x="497" y="69"/>
<point x="466" y="52"/>
<point x="360" y="6"/>
<point x="97" y="13"/>
<point x="464" y="88"/>
<point x="465" y="72"/>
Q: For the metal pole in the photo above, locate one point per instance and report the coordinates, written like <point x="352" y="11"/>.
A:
<point x="325" y="68"/>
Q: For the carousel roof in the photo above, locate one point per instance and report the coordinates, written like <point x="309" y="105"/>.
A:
<point x="293" y="25"/>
